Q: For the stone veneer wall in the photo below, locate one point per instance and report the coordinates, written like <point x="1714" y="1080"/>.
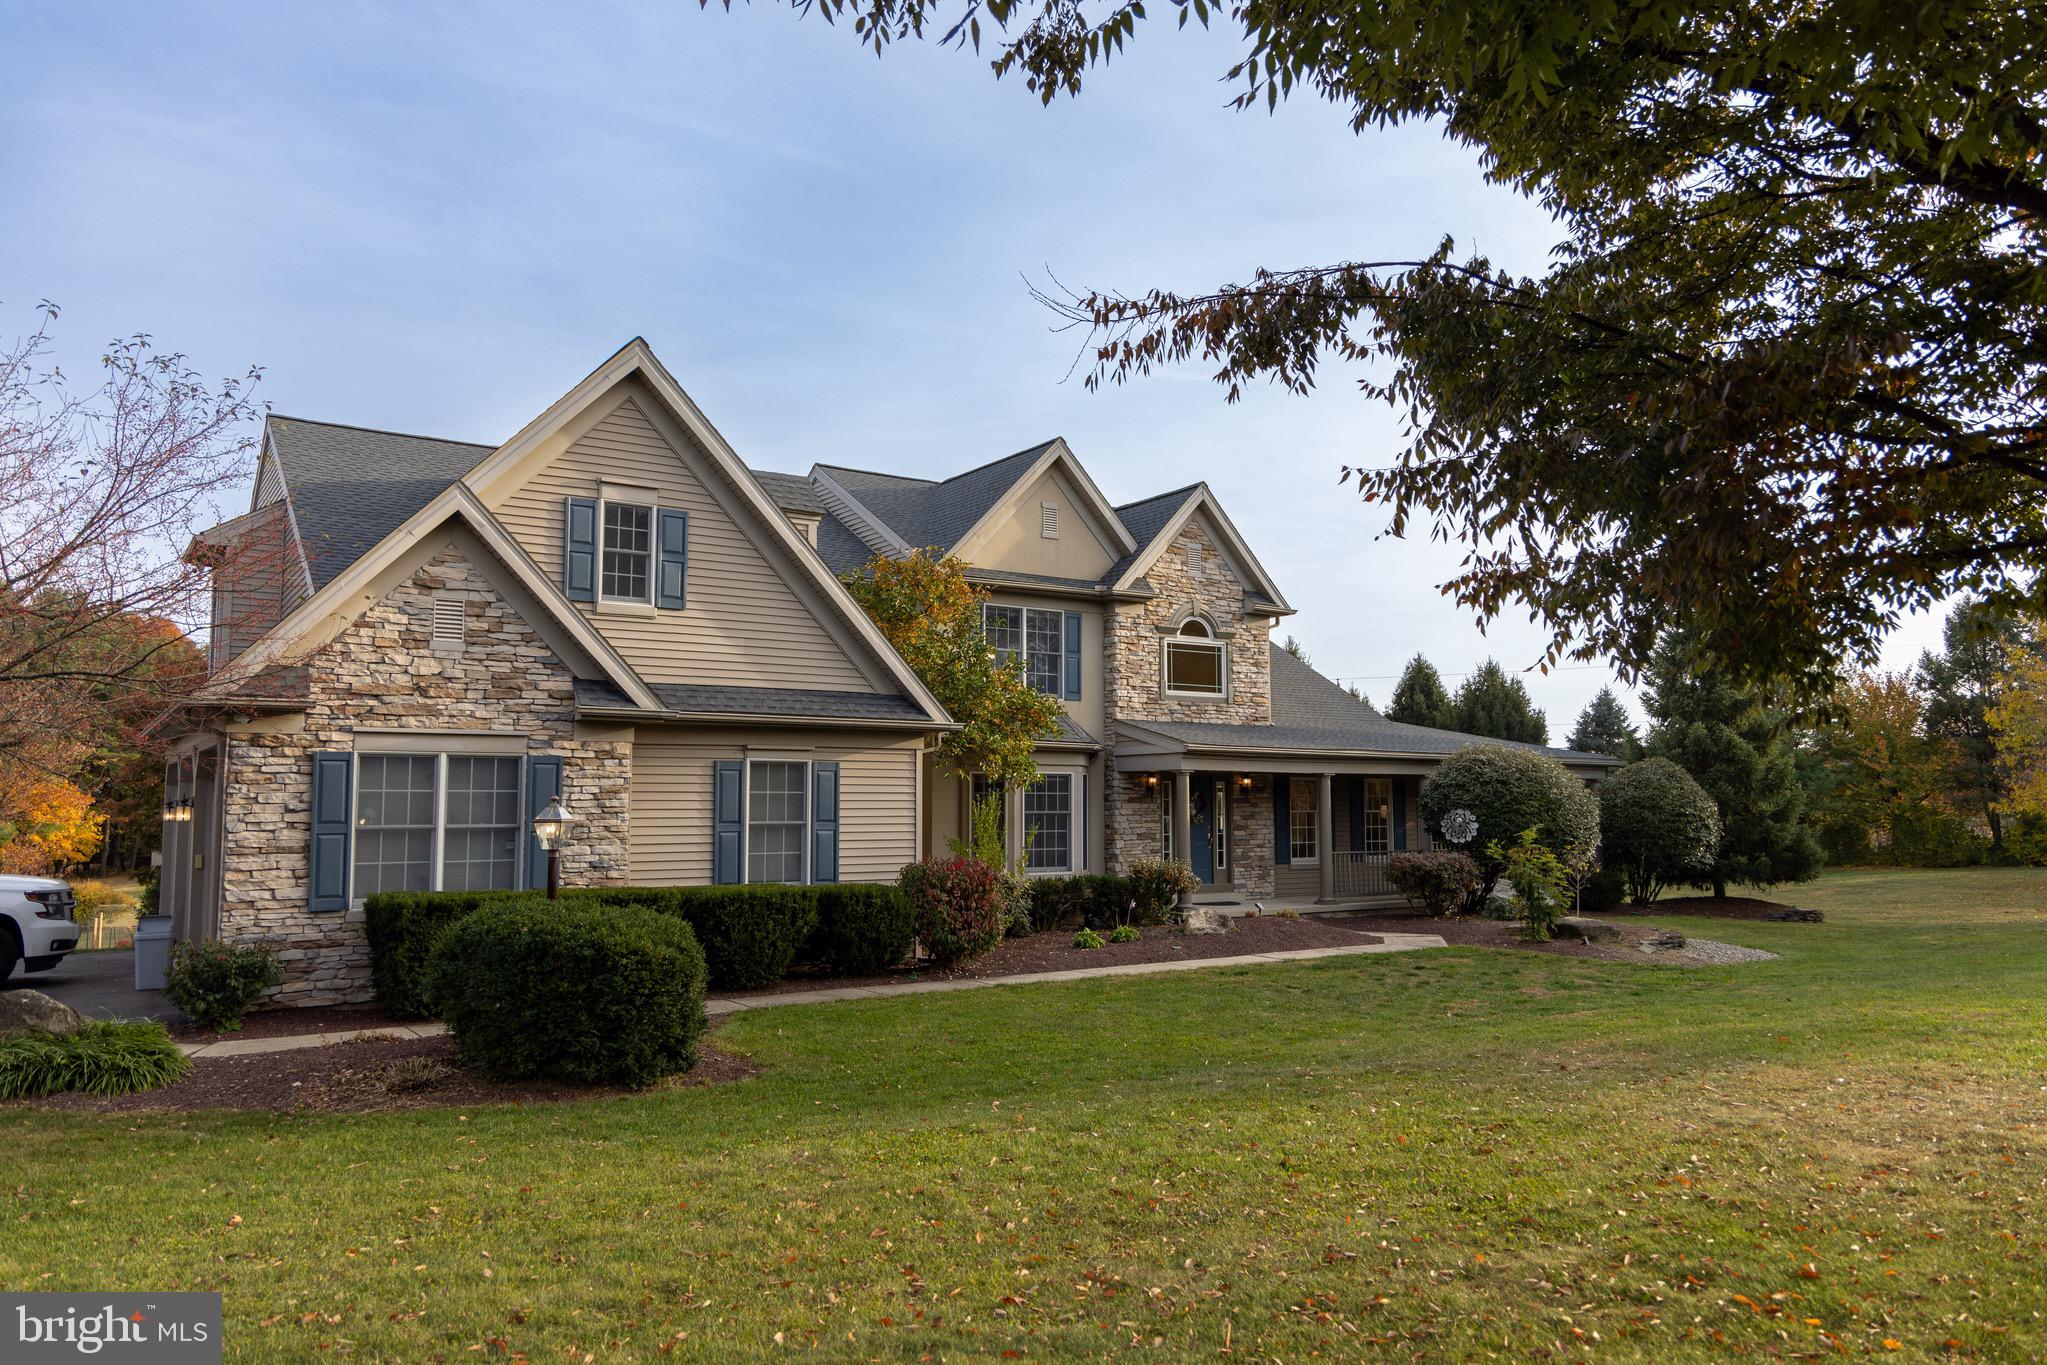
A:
<point x="382" y="671"/>
<point x="1190" y="574"/>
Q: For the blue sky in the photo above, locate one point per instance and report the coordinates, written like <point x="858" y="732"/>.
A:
<point x="435" y="218"/>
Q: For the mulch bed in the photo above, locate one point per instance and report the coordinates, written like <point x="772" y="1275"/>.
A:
<point x="282" y="1023"/>
<point x="375" y="1076"/>
<point x="1710" y="907"/>
<point x="1053" y="951"/>
<point x="1473" y="932"/>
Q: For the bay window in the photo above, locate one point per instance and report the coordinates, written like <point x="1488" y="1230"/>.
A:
<point x="1048" y="807"/>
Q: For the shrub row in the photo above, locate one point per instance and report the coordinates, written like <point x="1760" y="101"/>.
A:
<point x="1146" y="895"/>
<point x="749" y="935"/>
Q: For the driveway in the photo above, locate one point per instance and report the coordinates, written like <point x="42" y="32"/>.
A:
<point x="99" y="984"/>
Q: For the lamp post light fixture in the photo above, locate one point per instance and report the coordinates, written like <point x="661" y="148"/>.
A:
<point x="548" y="827"/>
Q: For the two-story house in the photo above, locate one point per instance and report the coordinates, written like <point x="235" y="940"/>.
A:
<point x="419" y="643"/>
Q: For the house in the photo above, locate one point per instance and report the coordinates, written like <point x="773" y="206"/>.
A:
<point x="419" y="643"/>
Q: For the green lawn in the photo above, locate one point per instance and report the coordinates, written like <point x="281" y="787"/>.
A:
<point x="1446" y="1154"/>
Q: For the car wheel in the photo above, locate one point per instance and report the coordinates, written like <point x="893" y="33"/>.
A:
<point x="9" y="955"/>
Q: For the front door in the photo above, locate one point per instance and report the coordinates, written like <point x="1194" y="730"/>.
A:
<point x="1201" y="830"/>
<point x="1208" y="832"/>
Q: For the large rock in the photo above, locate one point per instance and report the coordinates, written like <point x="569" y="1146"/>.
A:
<point x="34" y="1012"/>
<point x="1204" y="919"/>
<point x="1794" y="915"/>
<point x="1589" y="929"/>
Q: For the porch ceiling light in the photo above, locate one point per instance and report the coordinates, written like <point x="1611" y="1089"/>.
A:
<point x="551" y="824"/>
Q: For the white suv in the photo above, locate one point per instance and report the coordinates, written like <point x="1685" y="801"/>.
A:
<point x="36" y="925"/>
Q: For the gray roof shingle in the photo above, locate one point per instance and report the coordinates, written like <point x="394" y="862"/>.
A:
<point x="925" y="513"/>
<point x="790" y="492"/>
<point x="713" y="699"/>
<point x="352" y="486"/>
<point x="1144" y="520"/>
<point x="1309" y="712"/>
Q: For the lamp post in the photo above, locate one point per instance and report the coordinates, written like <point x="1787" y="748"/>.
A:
<point x="548" y="828"/>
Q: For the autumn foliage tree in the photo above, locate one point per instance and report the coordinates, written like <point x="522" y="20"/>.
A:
<point x="1783" y="379"/>
<point x="2018" y="721"/>
<point x="932" y="615"/>
<point x="101" y="488"/>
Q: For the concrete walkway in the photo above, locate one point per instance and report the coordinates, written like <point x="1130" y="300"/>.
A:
<point x="733" y="1004"/>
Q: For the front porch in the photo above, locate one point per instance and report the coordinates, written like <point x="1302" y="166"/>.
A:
<point x="1301" y="839"/>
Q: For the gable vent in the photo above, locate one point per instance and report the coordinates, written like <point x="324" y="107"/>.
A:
<point x="1048" y="524"/>
<point x="451" y="623"/>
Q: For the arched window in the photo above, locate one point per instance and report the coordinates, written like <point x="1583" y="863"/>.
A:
<point x="1196" y="663"/>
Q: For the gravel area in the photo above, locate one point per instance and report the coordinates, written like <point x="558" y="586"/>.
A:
<point x="1709" y="952"/>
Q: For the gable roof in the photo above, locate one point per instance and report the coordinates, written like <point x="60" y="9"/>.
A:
<point x="350" y="487"/>
<point x="926" y="512"/>
<point x="1145" y="519"/>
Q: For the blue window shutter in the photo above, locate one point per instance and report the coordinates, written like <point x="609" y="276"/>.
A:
<point x="728" y="821"/>
<point x="579" y="549"/>
<point x="674" y="561"/>
<point x="543" y="784"/>
<point x="327" y="858"/>
<point x="1282" y="819"/>
<point x="1357" y="812"/>
<point x="824" y="822"/>
<point x="1073" y="656"/>
<point x="1399" y="813"/>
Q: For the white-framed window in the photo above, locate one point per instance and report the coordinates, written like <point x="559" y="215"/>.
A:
<point x="777" y="820"/>
<point x="1302" y="841"/>
<point x="1037" y="638"/>
<point x="1197" y="664"/>
<point x="1166" y="818"/>
<point x="436" y="822"/>
<point x="1378" y="815"/>
<point x="626" y="572"/>
<point x="1050" y="826"/>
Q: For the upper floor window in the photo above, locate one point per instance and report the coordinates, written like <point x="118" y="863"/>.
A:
<point x="628" y="552"/>
<point x="1036" y="638"/>
<point x="1196" y="662"/>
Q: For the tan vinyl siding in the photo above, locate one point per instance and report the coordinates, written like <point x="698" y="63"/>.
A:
<point x="671" y="801"/>
<point x="744" y="625"/>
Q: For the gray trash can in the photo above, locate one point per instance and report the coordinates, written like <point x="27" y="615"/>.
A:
<point x="152" y="951"/>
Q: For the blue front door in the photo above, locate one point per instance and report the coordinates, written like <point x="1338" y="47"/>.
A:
<point x="1201" y="830"/>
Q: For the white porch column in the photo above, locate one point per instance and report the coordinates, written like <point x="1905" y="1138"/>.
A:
<point x="1183" y="824"/>
<point x="1325" y="846"/>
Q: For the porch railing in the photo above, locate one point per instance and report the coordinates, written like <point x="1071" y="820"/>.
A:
<point x="1362" y="874"/>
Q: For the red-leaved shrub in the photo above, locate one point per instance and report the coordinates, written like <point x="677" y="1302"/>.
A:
<point x="958" y="904"/>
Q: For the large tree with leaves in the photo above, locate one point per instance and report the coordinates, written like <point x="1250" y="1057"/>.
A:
<point x="1491" y="703"/>
<point x="1733" y="739"/>
<point x="1420" y="698"/>
<point x="932" y="615"/>
<point x="1961" y="683"/>
<point x="1786" y="374"/>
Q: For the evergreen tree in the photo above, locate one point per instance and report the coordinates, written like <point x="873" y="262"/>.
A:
<point x="1421" y="699"/>
<point x="1492" y="704"/>
<point x="1733" y="741"/>
<point x="1294" y="647"/>
<point x="1604" y="728"/>
<point x="1962" y="683"/>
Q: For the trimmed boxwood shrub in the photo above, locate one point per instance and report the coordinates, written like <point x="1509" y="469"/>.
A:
<point x="862" y="928"/>
<point x="750" y="934"/>
<point x="403" y="927"/>
<point x="570" y="990"/>
<point x="1603" y="892"/>
<point x="1156" y="884"/>
<point x="957" y="904"/>
<point x="216" y="983"/>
